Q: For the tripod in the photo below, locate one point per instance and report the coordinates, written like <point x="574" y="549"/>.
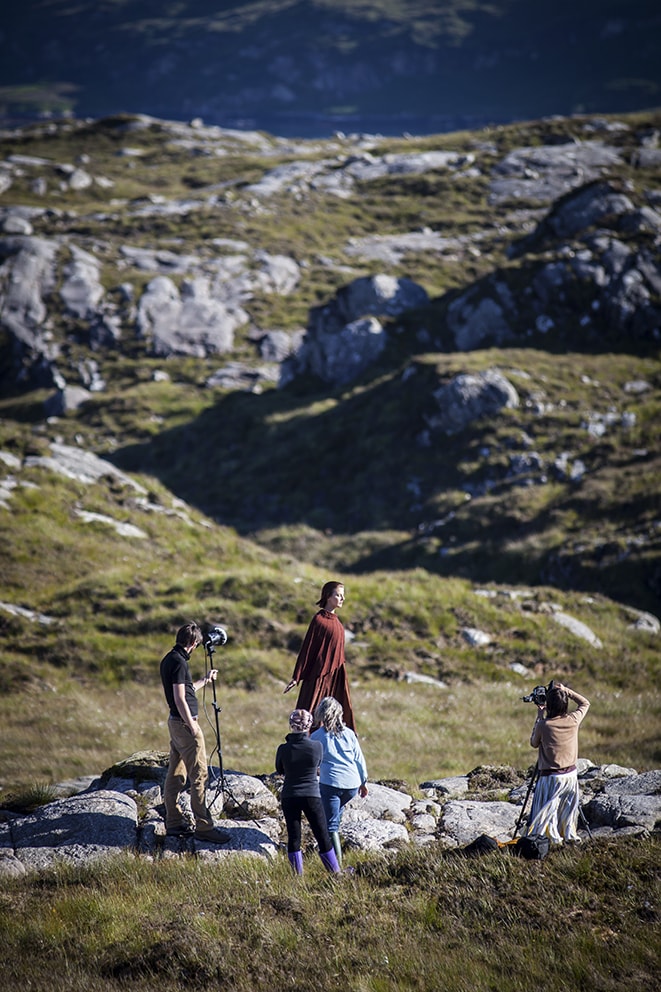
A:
<point x="535" y="776"/>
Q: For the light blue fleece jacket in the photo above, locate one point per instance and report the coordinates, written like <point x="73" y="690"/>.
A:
<point x="343" y="764"/>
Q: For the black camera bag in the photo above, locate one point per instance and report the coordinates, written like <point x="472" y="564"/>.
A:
<point x="535" y="848"/>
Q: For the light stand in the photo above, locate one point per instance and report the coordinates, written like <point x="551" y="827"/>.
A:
<point x="209" y="648"/>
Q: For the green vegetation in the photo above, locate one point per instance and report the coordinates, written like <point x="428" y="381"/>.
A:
<point x="248" y="502"/>
<point x="418" y="919"/>
<point x="287" y="487"/>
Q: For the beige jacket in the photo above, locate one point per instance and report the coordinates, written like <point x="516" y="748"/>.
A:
<point x="557" y="737"/>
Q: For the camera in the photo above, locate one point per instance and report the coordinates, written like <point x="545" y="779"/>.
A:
<point x="214" y="636"/>
<point x="538" y="695"/>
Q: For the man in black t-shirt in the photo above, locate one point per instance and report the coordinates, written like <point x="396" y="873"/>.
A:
<point x="188" y="756"/>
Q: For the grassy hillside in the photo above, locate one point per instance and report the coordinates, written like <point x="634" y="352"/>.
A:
<point x="286" y="488"/>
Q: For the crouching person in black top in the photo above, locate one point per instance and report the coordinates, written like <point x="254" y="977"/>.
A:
<point x="298" y="759"/>
<point x="188" y="756"/>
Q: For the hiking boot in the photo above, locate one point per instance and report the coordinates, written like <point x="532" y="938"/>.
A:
<point x="213" y="836"/>
<point x="186" y="830"/>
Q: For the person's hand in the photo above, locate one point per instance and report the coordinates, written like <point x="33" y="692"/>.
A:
<point x="560" y="686"/>
<point x="290" y="685"/>
<point x="363" y="790"/>
<point x="211" y="675"/>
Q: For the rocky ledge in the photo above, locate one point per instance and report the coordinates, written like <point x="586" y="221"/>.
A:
<point x="122" y="810"/>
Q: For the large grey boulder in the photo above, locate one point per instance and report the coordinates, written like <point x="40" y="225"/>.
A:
<point x="471" y="397"/>
<point x="279" y="274"/>
<point x="452" y="787"/>
<point x="381" y="803"/>
<point x="83" y="828"/>
<point x="373" y="835"/>
<point x="622" y="810"/>
<point x="65" y="399"/>
<point x="276" y="346"/>
<point x="346" y="336"/>
<point x="476" y="320"/>
<point x="465" y="820"/>
<point x="376" y="821"/>
<point x="83" y="466"/>
<point x="243" y="794"/>
<point x="380" y="295"/>
<point x="339" y="357"/>
<point x="577" y="628"/>
<point x="597" y="205"/>
<point x="643" y="784"/>
<point x="589" y="206"/>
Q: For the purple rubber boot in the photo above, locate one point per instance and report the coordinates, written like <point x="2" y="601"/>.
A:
<point x="296" y="861"/>
<point x="330" y="861"/>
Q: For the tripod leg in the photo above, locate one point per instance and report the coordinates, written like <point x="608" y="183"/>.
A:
<point x="525" y="801"/>
<point x="581" y="816"/>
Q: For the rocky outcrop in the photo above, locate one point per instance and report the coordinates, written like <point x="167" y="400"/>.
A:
<point x="591" y="268"/>
<point x="197" y="318"/>
<point x="27" y="275"/>
<point x="122" y="810"/>
<point x="348" y="334"/>
<point x="192" y="323"/>
<point x="545" y="173"/>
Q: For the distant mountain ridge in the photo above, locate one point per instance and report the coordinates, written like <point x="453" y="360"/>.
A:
<point x="296" y="66"/>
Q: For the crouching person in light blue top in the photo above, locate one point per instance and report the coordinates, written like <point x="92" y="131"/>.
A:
<point x="343" y="772"/>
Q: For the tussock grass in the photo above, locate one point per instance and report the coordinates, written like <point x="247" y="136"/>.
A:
<point x="417" y="919"/>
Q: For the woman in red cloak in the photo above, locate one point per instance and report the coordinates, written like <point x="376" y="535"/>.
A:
<point x="320" y="665"/>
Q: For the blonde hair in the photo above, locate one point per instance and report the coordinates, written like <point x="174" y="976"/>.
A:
<point x="330" y="716"/>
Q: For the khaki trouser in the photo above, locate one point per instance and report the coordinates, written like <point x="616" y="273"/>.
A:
<point x="188" y="758"/>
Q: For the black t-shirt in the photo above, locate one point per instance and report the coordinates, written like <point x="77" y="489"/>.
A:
<point x="175" y="671"/>
<point x="299" y="759"/>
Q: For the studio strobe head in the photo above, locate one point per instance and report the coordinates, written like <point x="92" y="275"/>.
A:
<point x="215" y="637"/>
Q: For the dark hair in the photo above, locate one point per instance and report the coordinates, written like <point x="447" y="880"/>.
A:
<point x="556" y="702"/>
<point x="189" y="634"/>
<point x="327" y="591"/>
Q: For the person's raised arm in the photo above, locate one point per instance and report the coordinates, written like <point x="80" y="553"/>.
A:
<point x="581" y="701"/>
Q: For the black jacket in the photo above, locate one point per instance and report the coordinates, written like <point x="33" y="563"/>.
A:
<point x="298" y="759"/>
